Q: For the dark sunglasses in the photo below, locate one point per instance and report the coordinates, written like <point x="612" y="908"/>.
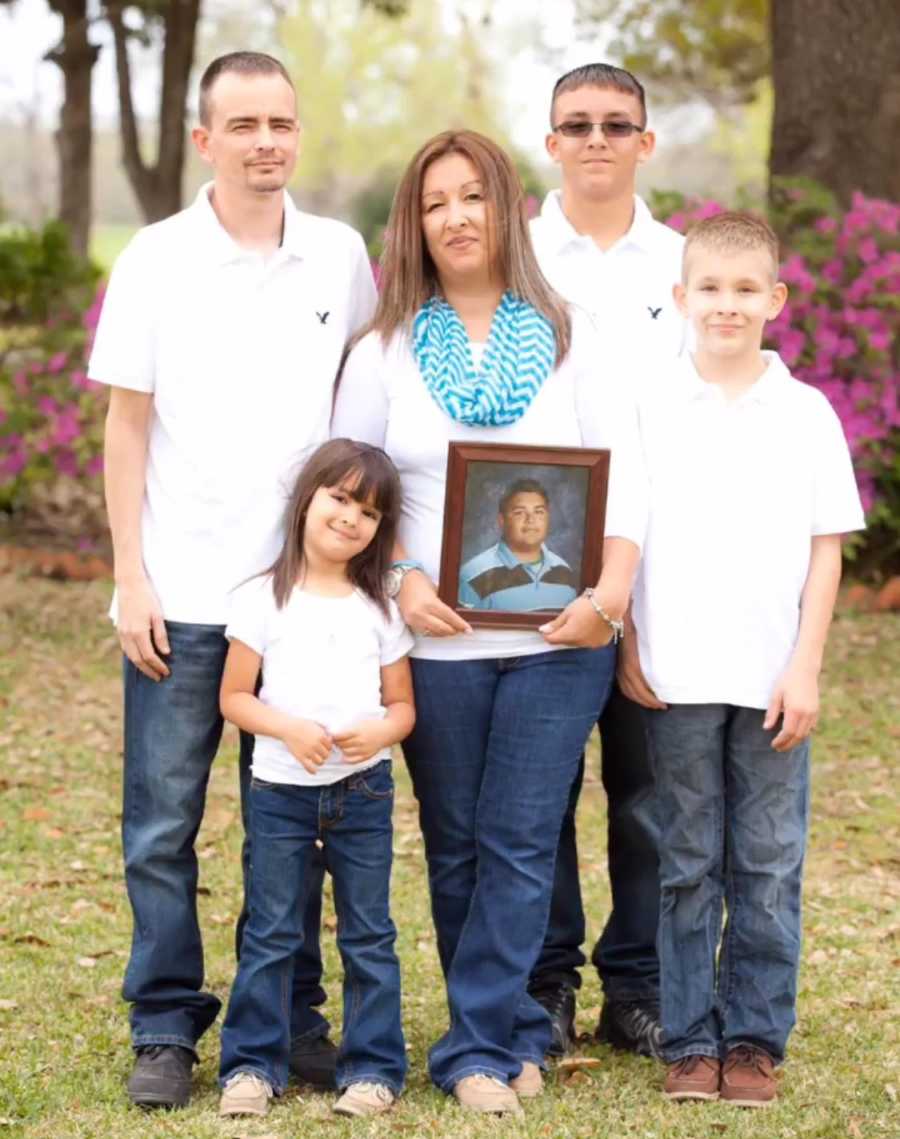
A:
<point x="612" y="128"/>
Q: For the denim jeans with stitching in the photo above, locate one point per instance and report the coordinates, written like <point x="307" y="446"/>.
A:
<point x="734" y="817"/>
<point x="352" y="818"/>
<point x="493" y="756"/>
<point x="625" y="953"/>
<point x="172" y="732"/>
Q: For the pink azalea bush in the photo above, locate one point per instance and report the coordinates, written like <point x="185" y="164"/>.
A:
<point x="51" y="419"/>
<point x="837" y="332"/>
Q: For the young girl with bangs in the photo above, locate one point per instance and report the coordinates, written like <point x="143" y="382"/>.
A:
<point x="336" y="693"/>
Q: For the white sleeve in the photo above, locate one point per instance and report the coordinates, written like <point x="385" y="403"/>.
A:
<point x="123" y="354"/>
<point x="361" y="404"/>
<point x="836" y="508"/>
<point x="397" y="639"/>
<point x="249" y="608"/>
<point x="362" y="288"/>
<point x="607" y="415"/>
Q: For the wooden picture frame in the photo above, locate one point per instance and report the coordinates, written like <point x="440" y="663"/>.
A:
<point x="475" y="479"/>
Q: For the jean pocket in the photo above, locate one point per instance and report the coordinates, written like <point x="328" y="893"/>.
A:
<point x="376" y="782"/>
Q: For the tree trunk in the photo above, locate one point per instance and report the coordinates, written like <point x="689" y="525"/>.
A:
<point x="157" y="187"/>
<point x="836" y="75"/>
<point x="75" y="55"/>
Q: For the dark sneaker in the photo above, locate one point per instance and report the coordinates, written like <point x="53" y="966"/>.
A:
<point x="559" y="1001"/>
<point x="748" y="1077"/>
<point x="632" y="1026"/>
<point x="161" y="1076"/>
<point x="693" y="1077"/>
<point x="314" y="1062"/>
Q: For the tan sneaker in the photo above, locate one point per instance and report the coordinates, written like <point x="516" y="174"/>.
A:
<point x="529" y="1082"/>
<point x="693" y="1077"/>
<point x="365" y="1099"/>
<point x="748" y="1077"/>
<point x="245" y="1094"/>
<point x="488" y="1094"/>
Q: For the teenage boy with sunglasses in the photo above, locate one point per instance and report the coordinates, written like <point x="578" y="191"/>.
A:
<point x="600" y="248"/>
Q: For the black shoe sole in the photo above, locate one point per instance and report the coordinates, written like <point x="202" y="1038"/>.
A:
<point x="154" y="1101"/>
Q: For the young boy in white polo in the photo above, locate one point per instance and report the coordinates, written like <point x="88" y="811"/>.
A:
<point x="751" y="488"/>
<point x="600" y="248"/>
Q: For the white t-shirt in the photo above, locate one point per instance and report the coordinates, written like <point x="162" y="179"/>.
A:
<point x="321" y="660"/>
<point x="626" y="289"/>
<point x="383" y="400"/>
<point x="240" y="353"/>
<point x="737" y="491"/>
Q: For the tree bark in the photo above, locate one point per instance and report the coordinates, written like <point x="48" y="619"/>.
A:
<point x="75" y="55"/>
<point x="158" y="186"/>
<point x="836" y="76"/>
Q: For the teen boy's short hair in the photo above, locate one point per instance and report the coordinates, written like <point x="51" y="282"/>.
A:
<point x="600" y="75"/>
<point x="240" y="63"/>
<point x="522" y="486"/>
<point x="731" y="232"/>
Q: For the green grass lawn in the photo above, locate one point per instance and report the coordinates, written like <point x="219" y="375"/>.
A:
<point x="64" y="920"/>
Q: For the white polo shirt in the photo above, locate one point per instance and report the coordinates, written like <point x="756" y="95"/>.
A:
<point x="626" y="289"/>
<point x="737" y="491"/>
<point x="240" y="352"/>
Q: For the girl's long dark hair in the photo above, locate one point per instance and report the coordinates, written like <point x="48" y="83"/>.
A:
<point x="367" y="475"/>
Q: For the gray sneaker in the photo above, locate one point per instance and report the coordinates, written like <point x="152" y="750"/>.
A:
<point x="161" y="1076"/>
<point x="245" y="1094"/>
<point x="365" y="1098"/>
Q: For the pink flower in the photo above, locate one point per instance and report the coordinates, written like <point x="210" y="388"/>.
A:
<point x="94" y="465"/>
<point x="66" y="462"/>
<point x="677" y="221"/>
<point x="57" y="362"/>
<point x="47" y="405"/>
<point x="825" y="225"/>
<point x="833" y="270"/>
<point x="868" y="251"/>
<point x="20" y="383"/>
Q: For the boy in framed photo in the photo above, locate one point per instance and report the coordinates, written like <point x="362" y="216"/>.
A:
<point x="519" y="572"/>
<point x="751" y="488"/>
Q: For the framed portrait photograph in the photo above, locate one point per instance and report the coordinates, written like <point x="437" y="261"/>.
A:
<point x="523" y="530"/>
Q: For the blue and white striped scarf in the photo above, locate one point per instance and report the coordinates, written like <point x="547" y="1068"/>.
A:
<point x="518" y="357"/>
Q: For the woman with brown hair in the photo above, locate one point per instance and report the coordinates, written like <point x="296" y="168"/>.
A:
<point x="469" y="342"/>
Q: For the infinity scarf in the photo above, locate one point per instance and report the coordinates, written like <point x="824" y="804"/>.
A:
<point x="518" y="357"/>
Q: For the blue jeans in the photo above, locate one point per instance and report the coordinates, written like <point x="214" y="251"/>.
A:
<point x="493" y="755"/>
<point x="734" y="815"/>
<point x="625" y="954"/>
<point x="172" y="733"/>
<point x="352" y="818"/>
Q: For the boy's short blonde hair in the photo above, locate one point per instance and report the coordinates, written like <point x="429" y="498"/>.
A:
<point x="731" y="232"/>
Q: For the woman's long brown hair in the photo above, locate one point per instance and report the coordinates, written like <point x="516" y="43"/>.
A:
<point x="367" y="475"/>
<point x="408" y="274"/>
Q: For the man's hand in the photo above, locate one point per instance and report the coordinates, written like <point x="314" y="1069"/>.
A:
<point x="630" y="675"/>
<point x="308" y="743"/>
<point x="796" y="700"/>
<point x="363" y="740"/>
<point x="141" y="628"/>
<point x="423" y="610"/>
<point x="578" y="626"/>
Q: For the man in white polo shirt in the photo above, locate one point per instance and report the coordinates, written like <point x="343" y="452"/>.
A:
<point x="220" y="336"/>
<point x="600" y="248"/>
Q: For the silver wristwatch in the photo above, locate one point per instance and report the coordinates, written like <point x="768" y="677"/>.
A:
<point x="395" y="575"/>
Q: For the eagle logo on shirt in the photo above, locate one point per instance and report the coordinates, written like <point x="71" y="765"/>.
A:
<point x="654" y="312"/>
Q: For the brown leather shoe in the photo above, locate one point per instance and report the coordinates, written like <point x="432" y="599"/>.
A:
<point x="748" y="1077"/>
<point x="693" y="1077"/>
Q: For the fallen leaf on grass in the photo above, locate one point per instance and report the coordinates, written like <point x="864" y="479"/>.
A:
<point x="31" y="939"/>
<point x="35" y="814"/>
<point x="86" y="962"/>
<point x="568" y="1079"/>
<point x="854" y="1128"/>
<point x="891" y="1092"/>
<point x="8" y="1006"/>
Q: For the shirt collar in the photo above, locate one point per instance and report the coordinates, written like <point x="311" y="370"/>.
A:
<point x="222" y="246"/>
<point x="766" y="389"/>
<point x="510" y="560"/>
<point x="640" y="234"/>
